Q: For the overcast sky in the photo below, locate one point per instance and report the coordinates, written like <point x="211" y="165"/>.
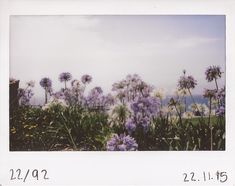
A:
<point x="108" y="48"/>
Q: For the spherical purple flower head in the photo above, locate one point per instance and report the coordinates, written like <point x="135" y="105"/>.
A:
<point x="146" y="105"/>
<point x="187" y="82"/>
<point x="65" y="76"/>
<point x="133" y="80"/>
<point x="122" y="143"/>
<point x="45" y="83"/>
<point x="213" y="72"/>
<point x="119" y="85"/>
<point x="86" y="79"/>
<point x="130" y="125"/>
<point x="210" y="93"/>
<point x="98" y="90"/>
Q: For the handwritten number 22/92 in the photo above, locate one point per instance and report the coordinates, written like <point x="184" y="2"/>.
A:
<point x="17" y="175"/>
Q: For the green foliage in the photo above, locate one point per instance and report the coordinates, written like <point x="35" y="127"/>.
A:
<point x="76" y="128"/>
<point x="58" y="128"/>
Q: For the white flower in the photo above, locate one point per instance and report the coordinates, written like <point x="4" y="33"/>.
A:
<point x="30" y="84"/>
<point x="160" y="93"/>
<point x="54" y="102"/>
<point x="188" y="115"/>
<point x="204" y="110"/>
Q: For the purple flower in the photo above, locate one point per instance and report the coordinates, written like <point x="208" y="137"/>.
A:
<point x="65" y="76"/>
<point x="75" y="83"/>
<point x="131" y="88"/>
<point x="122" y="143"/>
<point x="146" y="105"/>
<point x="213" y="72"/>
<point x="130" y="125"/>
<point x="220" y="111"/>
<point x="24" y="96"/>
<point x="59" y="95"/>
<point x="187" y="82"/>
<point x="45" y="83"/>
<point x="97" y="90"/>
<point x="144" y="110"/>
<point x="86" y="79"/>
<point x="210" y="93"/>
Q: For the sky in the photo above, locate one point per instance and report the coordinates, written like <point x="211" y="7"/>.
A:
<point x="158" y="48"/>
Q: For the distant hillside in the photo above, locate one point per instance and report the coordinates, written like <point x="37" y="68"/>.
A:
<point x="198" y="99"/>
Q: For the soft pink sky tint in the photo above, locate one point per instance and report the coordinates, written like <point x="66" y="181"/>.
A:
<point x="108" y="48"/>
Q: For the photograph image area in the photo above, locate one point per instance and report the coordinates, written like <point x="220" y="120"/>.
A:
<point x="117" y="83"/>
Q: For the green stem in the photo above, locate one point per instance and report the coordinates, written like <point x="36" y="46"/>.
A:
<point x="45" y="95"/>
<point x="69" y="133"/>
<point x="178" y="114"/>
<point x="216" y="84"/>
<point x="194" y="101"/>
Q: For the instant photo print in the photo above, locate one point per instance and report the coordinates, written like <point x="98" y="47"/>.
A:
<point x="96" y="93"/>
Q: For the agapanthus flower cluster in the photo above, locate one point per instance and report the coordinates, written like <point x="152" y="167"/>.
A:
<point x="46" y="83"/>
<point x="24" y="96"/>
<point x="86" y="79"/>
<point x="130" y="88"/>
<point x="213" y="72"/>
<point x="96" y="99"/>
<point x="122" y="143"/>
<point x="65" y="76"/>
<point x="144" y="110"/>
<point x="187" y="82"/>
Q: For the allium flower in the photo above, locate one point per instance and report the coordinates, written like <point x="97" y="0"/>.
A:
<point x="45" y="83"/>
<point x="213" y="72"/>
<point x="122" y="143"/>
<point x="187" y="82"/>
<point x="30" y="84"/>
<point x="65" y="76"/>
<point x="86" y="79"/>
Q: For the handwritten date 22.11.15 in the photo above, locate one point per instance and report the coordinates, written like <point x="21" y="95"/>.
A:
<point x="218" y="176"/>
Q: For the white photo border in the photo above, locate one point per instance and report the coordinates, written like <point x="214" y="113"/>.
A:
<point x="116" y="168"/>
